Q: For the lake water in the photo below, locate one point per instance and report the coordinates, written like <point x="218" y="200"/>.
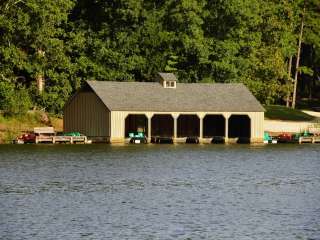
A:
<point x="159" y="192"/>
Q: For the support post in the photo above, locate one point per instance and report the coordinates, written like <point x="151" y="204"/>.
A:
<point x="149" y="116"/>
<point x="175" y="126"/>
<point x="226" y="138"/>
<point x="201" y="117"/>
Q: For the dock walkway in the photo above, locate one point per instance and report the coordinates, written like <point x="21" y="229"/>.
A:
<point x="61" y="139"/>
<point x="311" y="139"/>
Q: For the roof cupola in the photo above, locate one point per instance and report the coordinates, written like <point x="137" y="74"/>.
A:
<point x="167" y="80"/>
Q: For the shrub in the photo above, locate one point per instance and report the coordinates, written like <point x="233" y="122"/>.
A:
<point x="14" y="100"/>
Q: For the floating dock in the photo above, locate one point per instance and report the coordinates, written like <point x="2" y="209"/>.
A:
<point x="311" y="139"/>
<point x="62" y="139"/>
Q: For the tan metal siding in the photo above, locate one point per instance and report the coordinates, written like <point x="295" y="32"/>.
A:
<point x="257" y="125"/>
<point x="86" y="113"/>
<point x="118" y="125"/>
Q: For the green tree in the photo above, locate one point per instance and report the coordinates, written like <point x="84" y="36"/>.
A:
<point x="14" y="100"/>
<point x="33" y="43"/>
<point x="66" y="42"/>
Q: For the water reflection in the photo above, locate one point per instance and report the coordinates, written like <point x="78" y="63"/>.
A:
<point x="160" y="192"/>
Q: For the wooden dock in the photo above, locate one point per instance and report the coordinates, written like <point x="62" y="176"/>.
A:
<point x="62" y="139"/>
<point x="311" y="139"/>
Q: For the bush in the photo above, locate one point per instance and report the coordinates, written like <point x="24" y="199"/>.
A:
<point x="14" y="100"/>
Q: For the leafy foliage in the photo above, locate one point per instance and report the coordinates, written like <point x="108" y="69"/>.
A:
<point x="66" y="42"/>
<point x="14" y="101"/>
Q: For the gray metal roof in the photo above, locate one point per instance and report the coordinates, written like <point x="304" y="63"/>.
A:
<point x="187" y="97"/>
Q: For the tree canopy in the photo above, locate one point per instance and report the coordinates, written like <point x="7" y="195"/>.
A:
<point x="65" y="42"/>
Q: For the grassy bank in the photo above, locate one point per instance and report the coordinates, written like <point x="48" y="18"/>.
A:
<point x="13" y="126"/>
<point x="276" y="112"/>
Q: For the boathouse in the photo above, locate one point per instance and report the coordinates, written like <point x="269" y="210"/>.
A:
<point x="109" y="111"/>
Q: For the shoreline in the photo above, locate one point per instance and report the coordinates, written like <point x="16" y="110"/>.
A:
<point x="10" y="129"/>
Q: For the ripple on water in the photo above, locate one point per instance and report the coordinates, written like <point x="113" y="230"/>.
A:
<point x="159" y="192"/>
